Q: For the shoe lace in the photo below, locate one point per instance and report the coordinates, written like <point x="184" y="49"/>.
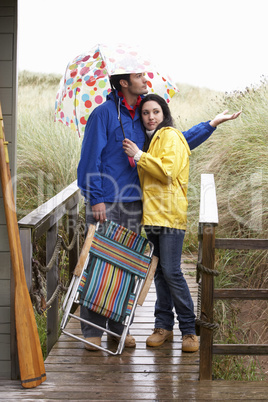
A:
<point x="158" y="330"/>
<point x="188" y="336"/>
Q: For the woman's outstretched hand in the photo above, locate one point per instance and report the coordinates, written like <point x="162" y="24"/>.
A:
<point x="130" y="147"/>
<point x="223" y="117"/>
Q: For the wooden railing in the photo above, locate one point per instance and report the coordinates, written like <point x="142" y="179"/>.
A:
<point x="208" y="220"/>
<point x="45" y="220"/>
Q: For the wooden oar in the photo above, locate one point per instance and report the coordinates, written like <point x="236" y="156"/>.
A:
<point x="31" y="363"/>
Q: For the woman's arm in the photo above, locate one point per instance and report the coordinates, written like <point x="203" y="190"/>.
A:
<point x="166" y="165"/>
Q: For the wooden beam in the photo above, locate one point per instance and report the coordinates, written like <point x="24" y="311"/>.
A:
<point x="242" y="244"/>
<point x="232" y="349"/>
<point x="246" y="294"/>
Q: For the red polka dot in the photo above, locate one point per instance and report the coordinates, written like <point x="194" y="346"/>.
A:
<point x="91" y="82"/>
<point x="88" y="104"/>
<point x="73" y="73"/>
<point x="83" y="121"/>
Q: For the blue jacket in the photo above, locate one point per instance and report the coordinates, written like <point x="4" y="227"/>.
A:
<point x="104" y="173"/>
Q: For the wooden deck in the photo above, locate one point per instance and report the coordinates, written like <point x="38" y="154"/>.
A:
<point x="153" y="374"/>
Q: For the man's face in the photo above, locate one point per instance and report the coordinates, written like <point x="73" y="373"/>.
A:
<point x="138" y="84"/>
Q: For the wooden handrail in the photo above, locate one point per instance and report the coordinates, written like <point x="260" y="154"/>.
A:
<point x="47" y="214"/>
<point x="43" y="220"/>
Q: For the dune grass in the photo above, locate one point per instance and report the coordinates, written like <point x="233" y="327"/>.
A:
<point x="47" y="152"/>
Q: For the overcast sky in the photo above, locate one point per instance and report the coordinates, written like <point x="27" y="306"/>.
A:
<point x="216" y="44"/>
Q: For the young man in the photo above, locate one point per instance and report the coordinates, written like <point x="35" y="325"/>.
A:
<point x="108" y="182"/>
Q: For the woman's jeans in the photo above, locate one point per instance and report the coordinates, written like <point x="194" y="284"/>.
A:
<point x="128" y="215"/>
<point x="171" y="287"/>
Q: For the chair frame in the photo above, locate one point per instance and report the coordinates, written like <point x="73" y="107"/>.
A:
<point x="72" y="297"/>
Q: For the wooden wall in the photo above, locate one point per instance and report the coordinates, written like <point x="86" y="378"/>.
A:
<point x="8" y="95"/>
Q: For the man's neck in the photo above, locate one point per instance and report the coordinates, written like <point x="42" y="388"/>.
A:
<point x="130" y="98"/>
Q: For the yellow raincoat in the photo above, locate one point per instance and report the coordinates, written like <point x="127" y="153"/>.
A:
<point x="163" y="172"/>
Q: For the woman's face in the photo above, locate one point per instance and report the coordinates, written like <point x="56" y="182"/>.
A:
<point x="152" y="115"/>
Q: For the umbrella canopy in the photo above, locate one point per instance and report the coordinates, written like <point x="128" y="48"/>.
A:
<point x="86" y="83"/>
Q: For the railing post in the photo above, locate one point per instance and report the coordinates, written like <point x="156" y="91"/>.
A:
<point x="52" y="282"/>
<point x="74" y="253"/>
<point x="207" y="289"/>
<point x="208" y="219"/>
<point x="27" y="253"/>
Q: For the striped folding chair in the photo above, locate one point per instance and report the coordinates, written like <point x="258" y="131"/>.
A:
<point x="109" y="277"/>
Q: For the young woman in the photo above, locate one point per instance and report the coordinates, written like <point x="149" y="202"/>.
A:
<point x="163" y="171"/>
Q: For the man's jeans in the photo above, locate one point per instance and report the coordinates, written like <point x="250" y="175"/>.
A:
<point x="171" y="287"/>
<point x="129" y="215"/>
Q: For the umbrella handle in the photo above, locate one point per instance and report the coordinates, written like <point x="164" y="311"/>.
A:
<point x="131" y="161"/>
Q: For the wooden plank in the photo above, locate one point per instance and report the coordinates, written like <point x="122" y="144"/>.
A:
<point x="6" y="24"/>
<point x="6" y="53"/>
<point x="4" y="350"/>
<point x="4" y="246"/>
<point x="5" y="3"/>
<point x="5" y="369"/>
<point x="230" y="349"/>
<point x="2" y="210"/>
<point x="148" y="280"/>
<point x="242" y="244"/>
<point x="146" y="387"/>
<point x="5" y="266"/>
<point x="4" y="315"/>
<point x="208" y="212"/>
<point x="5" y="293"/>
<point x="7" y="95"/>
<point x="6" y="11"/>
<point x="246" y="294"/>
<point x="6" y="68"/>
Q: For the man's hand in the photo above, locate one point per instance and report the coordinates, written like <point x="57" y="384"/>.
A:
<point x="99" y="212"/>
<point x="223" y="117"/>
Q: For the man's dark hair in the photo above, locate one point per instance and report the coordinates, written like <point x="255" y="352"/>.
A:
<point x="115" y="80"/>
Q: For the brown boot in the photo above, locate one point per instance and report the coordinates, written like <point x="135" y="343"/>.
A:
<point x="95" y="340"/>
<point x="129" y="341"/>
<point x="158" y="337"/>
<point x="190" y="343"/>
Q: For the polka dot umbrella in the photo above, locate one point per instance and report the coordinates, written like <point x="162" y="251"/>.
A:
<point x="86" y="83"/>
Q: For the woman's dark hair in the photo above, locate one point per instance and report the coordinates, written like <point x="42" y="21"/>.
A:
<point x="167" y="121"/>
<point x="115" y="80"/>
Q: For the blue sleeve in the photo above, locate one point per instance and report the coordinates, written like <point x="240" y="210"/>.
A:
<point x="89" y="178"/>
<point x="198" y="134"/>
